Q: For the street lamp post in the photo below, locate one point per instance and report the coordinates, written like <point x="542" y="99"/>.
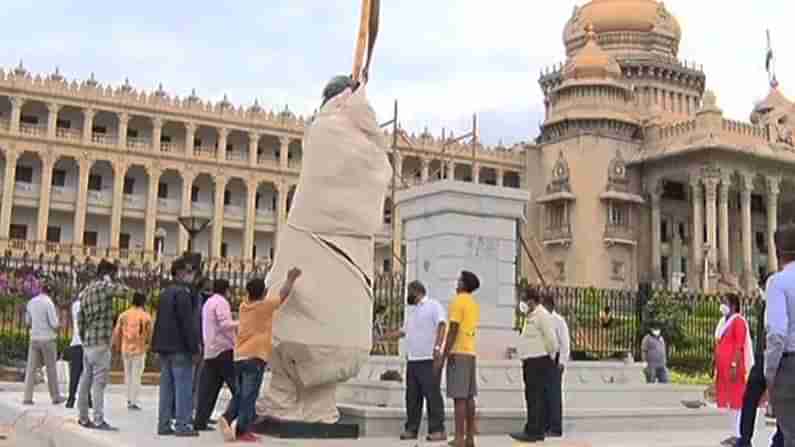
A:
<point x="193" y="225"/>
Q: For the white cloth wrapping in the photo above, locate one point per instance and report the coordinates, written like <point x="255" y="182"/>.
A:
<point x="327" y="321"/>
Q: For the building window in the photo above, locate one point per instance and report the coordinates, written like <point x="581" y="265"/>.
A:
<point x="556" y="216"/>
<point x="758" y="204"/>
<point x="674" y="191"/>
<point x="618" y="215"/>
<point x="227" y="197"/>
<point x="95" y="182"/>
<point x="387" y="266"/>
<point x="29" y="119"/>
<point x="99" y="129"/>
<point x="224" y="249"/>
<point x="63" y="124"/>
<point x="132" y="133"/>
<point x="24" y="174"/>
<point x="162" y="190"/>
<point x="270" y="252"/>
<point x="194" y="194"/>
<point x="197" y="142"/>
<point x="761" y="242"/>
<point x="54" y="234"/>
<point x="664" y="231"/>
<point x="90" y="238"/>
<point x="18" y="232"/>
<point x="254" y="251"/>
<point x="257" y="198"/>
<point x="618" y="271"/>
<point x="684" y="265"/>
<point x="129" y="186"/>
<point x="59" y="178"/>
<point x="165" y="139"/>
<point x="682" y="231"/>
<point x="664" y="267"/>
<point x="124" y="241"/>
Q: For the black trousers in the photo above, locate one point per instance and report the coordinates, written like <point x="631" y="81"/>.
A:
<point x="75" y="357"/>
<point x="215" y="373"/>
<point x="553" y="401"/>
<point x="422" y="385"/>
<point x="536" y="373"/>
<point x="754" y="390"/>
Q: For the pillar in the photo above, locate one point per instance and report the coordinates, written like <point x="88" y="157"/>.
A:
<point x="52" y="119"/>
<point x="220" y="152"/>
<point x="9" y="183"/>
<point x="119" y="173"/>
<point x="124" y="121"/>
<point x="449" y="170"/>
<point x="723" y="203"/>
<point x="656" y="231"/>
<point x="697" y="232"/>
<point x="711" y="188"/>
<point x="150" y="220"/>
<point x="47" y="165"/>
<point x="218" y="217"/>
<point x="773" y="190"/>
<point x="251" y="219"/>
<point x="88" y="126"/>
<point x="185" y="210"/>
<point x="500" y="177"/>
<point x="82" y="201"/>
<point x="282" y="189"/>
<point x="157" y="132"/>
<point x="284" y="151"/>
<point x="190" y="137"/>
<point x="745" y="204"/>
<point x="426" y="168"/>
<point x="16" y="113"/>
<point x="253" y="144"/>
<point x="476" y="173"/>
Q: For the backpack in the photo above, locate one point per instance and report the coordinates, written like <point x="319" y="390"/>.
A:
<point x="133" y="330"/>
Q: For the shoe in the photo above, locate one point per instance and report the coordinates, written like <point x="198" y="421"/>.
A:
<point x="133" y="407"/>
<point x="226" y="430"/>
<point x="186" y="434"/>
<point x="730" y="441"/>
<point x="247" y="437"/>
<point x="86" y="424"/>
<point x="59" y="401"/>
<point x="524" y="437"/>
<point x="104" y="426"/>
<point x="408" y="436"/>
<point x="27" y="402"/>
<point x="436" y="437"/>
<point x="169" y="432"/>
<point x="70" y="404"/>
<point x="553" y="434"/>
<point x="212" y="422"/>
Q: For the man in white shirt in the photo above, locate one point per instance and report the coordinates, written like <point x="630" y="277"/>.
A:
<point x="553" y="391"/>
<point x="424" y="329"/>
<point x="75" y="356"/>
<point x="42" y="318"/>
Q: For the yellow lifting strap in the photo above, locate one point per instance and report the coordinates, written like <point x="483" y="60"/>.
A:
<point x="365" y="42"/>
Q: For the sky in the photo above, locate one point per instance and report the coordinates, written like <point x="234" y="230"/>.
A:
<point x="443" y="60"/>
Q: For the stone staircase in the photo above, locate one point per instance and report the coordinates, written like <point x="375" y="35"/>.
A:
<point x="599" y="397"/>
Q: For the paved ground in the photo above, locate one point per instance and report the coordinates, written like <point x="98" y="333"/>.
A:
<point x="45" y="425"/>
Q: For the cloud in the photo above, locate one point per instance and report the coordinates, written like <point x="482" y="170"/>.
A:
<point x="443" y="60"/>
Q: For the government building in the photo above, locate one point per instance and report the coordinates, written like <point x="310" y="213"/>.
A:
<point x="636" y="175"/>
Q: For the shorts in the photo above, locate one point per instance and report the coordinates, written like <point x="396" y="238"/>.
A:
<point x="462" y="380"/>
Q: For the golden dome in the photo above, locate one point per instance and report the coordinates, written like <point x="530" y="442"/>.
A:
<point x="620" y="15"/>
<point x="591" y="62"/>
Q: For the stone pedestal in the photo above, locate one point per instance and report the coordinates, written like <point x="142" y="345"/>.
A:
<point x="452" y="226"/>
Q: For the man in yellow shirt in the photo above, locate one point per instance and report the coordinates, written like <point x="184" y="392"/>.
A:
<point x="460" y="354"/>
<point x="132" y="335"/>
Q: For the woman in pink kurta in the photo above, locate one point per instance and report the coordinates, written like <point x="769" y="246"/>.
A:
<point x="732" y="360"/>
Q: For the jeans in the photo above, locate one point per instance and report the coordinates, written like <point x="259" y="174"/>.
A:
<point x="553" y="401"/>
<point x="133" y="370"/>
<point x="248" y="380"/>
<point x="42" y="353"/>
<point x="423" y="385"/>
<point x="176" y="383"/>
<point x="536" y="372"/>
<point x="656" y="374"/>
<point x="96" y="369"/>
<point x="215" y="373"/>
<point x="75" y="354"/>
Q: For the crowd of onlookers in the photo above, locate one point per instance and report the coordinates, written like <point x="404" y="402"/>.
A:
<point x="199" y="345"/>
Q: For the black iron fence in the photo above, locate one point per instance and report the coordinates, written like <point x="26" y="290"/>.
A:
<point x="604" y="324"/>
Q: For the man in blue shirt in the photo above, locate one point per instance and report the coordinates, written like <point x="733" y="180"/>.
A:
<point x="780" y="355"/>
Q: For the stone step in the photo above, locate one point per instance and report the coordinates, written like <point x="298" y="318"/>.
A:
<point x="388" y="422"/>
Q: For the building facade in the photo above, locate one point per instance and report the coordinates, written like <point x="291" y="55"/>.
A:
<point x="88" y="170"/>
<point x="638" y="177"/>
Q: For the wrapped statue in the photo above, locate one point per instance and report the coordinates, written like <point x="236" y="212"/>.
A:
<point x="322" y="335"/>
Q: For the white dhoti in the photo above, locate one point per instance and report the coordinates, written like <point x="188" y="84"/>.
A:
<point x="322" y="335"/>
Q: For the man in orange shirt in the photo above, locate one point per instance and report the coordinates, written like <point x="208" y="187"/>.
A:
<point x="252" y="353"/>
<point x="133" y="334"/>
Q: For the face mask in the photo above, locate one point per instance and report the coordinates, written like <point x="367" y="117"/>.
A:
<point x="523" y="307"/>
<point x="724" y="309"/>
<point x="655" y="332"/>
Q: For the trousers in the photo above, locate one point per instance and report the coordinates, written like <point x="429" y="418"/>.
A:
<point x="536" y="372"/>
<point x="75" y="354"/>
<point x="423" y="385"/>
<point x="243" y="407"/>
<point x="215" y="373"/>
<point x="553" y="401"/>
<point x="96" y="369"/>
<point x="176" y="385"/>
<point x="783" y="399"/>
<point x="133" y="371"/>
<point x="42" y="353"/>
